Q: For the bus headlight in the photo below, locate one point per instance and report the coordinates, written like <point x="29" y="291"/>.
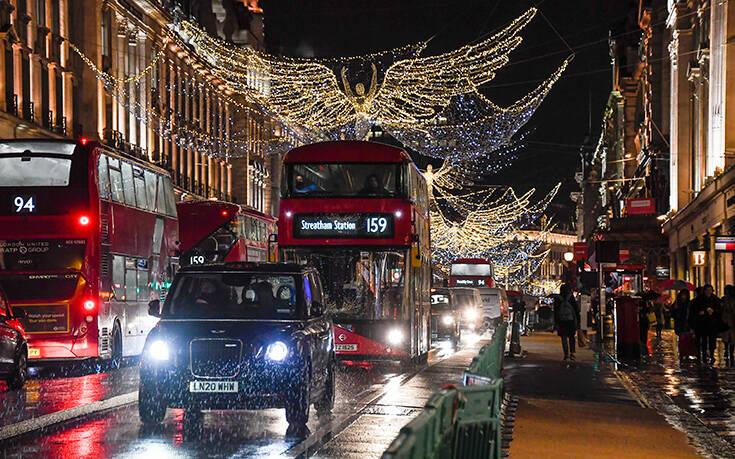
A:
<point x="470" y="314"/>
<point x="158" y="351"/>
<point x="447" y="319"/>
<point x="395" y="337"/>
<point x="276" y="352"/>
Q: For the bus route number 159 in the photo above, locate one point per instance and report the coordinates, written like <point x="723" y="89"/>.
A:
<point x="24" y="204"/>
<point x="377" y="225"/>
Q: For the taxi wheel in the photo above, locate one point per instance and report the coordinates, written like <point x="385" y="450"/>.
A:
<point x="325" y="404"/>
<point x="151" y="408"/>
<point x="20" y="373"/>
<point x="297" y="407"/>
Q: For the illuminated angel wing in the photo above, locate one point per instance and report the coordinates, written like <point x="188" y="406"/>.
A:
<point x="299" y="91"/>
<point x="414" y="89"/>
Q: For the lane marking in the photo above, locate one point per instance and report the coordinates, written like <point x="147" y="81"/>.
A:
<point x="48" y="420"/>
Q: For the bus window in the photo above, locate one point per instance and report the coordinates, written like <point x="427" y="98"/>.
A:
<point x="345" y="180"/>
<point x="116" y="181"/>
<point x="170" y="198"/>
<point x="140" y="192"/>
<point x="161" y="197"/>
<point x="127" y="179"/>
<point x="34" y="171"/>
<point x="103" y="179"/>
<point x="118" y="277"/>
<point x="131" y="280"/>
<point x="143" y="284"/>
<point x="151" y="181"/>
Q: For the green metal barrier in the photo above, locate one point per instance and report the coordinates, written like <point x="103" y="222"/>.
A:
<point x="489" y="362"/>
<point x="463" y="422"/>
<point x="478" y="432"/>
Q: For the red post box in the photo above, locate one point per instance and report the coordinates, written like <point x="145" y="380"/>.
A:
<point x="627" y="327"/>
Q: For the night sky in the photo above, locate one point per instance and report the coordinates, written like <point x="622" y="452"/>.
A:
<point x="347" y="27"/>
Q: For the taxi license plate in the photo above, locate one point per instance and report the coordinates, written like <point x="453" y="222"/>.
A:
<point x="345" y="347"/>
<point x="34" y="352"/>
<point x="213" y="387"/>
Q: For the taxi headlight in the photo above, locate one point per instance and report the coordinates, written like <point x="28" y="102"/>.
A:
<point x="277" y="351"/>
<point x="395" y="336"/>
<point x="470" y="314"/>
<point x="447" y="319"/>
<point x="158" y="351"/>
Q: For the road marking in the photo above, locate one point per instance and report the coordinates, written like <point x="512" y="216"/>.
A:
<point x="48" y="420"/>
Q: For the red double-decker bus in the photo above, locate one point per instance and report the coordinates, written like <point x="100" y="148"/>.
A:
<point x="358" y="211"/>
<point x="86" y="238"/>
<point x="471" y="272"/>
<point x="217" y="232"/>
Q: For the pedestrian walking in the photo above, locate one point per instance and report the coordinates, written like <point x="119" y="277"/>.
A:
<point x="566" y="318"/>
<point x="680" y="314"/>
<point x="704" y="318"/>
<point x="644" y="323"/>
<point x="728" y="323"/>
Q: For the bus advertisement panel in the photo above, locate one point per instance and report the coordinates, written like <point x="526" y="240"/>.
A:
<point x="358" y="211"/>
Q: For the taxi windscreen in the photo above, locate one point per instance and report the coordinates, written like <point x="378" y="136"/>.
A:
<point x="233" y="295"/>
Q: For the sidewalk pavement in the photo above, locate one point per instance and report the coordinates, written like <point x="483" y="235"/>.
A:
<point x="581" y="410"/>
<point x="696" y="398"/>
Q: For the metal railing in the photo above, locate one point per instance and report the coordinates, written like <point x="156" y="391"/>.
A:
<point x="463" y="421"/>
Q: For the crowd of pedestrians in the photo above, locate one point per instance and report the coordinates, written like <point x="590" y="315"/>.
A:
<point x="700" y="320"/>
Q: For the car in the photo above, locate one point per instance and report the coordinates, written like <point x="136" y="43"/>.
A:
<point x="13" y="345"/>
<point x="445" y="317"/>
<point x="239" y="336"/>
<point x="469" y="303"/>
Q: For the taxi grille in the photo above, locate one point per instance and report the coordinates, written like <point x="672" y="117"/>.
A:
<point x="215" y="358"/>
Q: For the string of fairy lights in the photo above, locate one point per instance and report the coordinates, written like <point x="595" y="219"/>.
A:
<point x="431" y="104"/>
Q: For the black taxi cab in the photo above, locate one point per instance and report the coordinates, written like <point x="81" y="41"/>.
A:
<point x="239" y="336"/>
<point x="445" y="316"/>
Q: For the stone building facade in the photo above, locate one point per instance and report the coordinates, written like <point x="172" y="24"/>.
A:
<point x="165" y="106"/>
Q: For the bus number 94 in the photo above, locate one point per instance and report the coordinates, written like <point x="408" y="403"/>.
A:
<point x="24" y="204"/>
<point x="377" y="225"/>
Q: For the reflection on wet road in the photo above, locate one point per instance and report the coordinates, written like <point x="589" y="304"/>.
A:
<point x="361" y="391"/>
<point x="60" y="389"/>
<point x="697" y="399"/>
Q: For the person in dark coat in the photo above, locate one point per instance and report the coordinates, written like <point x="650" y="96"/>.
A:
<point x="704" y="318"/>
<point x="680" y="312"/>
<point x="566" y="318"/>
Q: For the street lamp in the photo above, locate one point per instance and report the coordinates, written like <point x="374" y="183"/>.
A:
<point x="568" y="257"/>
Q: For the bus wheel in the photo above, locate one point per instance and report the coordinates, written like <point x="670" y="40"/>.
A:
<point x="116" y="352"/>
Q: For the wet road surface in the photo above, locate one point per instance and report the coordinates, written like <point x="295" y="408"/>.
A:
<point x="700" y="400"/>
<point x="383" y="398"/>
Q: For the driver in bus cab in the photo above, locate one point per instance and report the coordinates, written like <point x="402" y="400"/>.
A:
<point x="373" y="185"/>
<point x="300" y="185"/>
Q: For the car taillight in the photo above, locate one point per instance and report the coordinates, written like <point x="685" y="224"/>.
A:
<point x="84" y="220"/>
<point x="89" y="305"/>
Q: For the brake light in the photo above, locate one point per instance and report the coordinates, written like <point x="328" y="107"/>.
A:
<point x="84" y="220"/>
<point x="83" y="141"/>
<point x="89" y="305"/>
<point x="225" y="213"/>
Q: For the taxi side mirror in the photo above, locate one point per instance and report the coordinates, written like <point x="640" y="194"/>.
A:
<point x="154" y="308"/>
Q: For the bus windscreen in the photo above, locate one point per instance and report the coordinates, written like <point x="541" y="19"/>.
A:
<point x="344" y="180"/>
<point x="471" y="269"/>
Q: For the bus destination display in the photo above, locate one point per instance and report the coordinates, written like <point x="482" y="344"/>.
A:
<point x="344" y="226"/>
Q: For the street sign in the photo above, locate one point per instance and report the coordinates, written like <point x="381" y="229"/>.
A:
<point x="725" y="243"/>
<point x="640" y="206"/>
<point x="581" y="251"/>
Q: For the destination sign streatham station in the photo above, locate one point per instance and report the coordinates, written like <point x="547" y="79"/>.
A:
<point x="344" y="226"/>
